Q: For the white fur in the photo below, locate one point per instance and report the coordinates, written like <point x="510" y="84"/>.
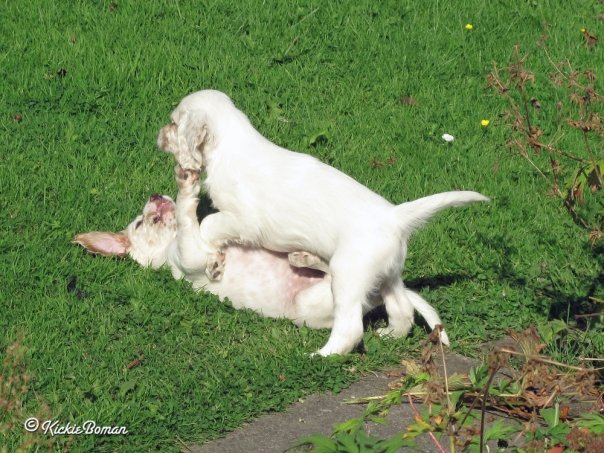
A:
<point x="286" y="201"/>
<point x="167" y="233"/>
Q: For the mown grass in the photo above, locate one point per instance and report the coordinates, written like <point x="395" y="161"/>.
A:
<point x="85" y="87"/>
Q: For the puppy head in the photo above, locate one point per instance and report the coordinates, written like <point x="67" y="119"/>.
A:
<point x="185" y="137"/>
<point x="146" y="239"/>
<point x="195" y="126"/>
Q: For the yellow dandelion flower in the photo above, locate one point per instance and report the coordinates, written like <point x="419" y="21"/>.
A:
<point x="583" y="30"/>
<point x="469" y="27"/>
<point x="485" y="123"/>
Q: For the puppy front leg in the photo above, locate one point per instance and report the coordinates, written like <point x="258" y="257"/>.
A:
<point x="187" y="200"/>
<point x="195" y="255"/>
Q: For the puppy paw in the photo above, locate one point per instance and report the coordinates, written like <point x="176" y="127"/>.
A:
<point x="187" y="180"/>
<point x="215" y="266"/>
<point x="308" y="260"/>
<point x="326" y="352"/>
<point x="389" y="332"/>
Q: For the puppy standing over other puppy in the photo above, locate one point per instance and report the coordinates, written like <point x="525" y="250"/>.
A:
<point x="285" y="201"/>
<point x="295" y="286"/>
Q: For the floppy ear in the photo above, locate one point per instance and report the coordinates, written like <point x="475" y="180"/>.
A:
<point x="104" y="243"/>
<point x="192" y="138"/>
<point x="196" y="135"/>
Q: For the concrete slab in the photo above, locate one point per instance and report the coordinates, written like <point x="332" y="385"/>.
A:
<point x="318" y="413"/>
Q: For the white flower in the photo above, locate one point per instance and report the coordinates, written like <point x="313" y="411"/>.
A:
<point x="448" y="138"/>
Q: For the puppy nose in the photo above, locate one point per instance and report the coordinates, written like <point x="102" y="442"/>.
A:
<point x="155" y="197"/>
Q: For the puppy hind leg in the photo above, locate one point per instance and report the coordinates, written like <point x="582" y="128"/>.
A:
<point x="220" y="228"/>
<point x="314" y="306"/>
<point x="428" y="312"/>
<point x="215" y="265"/>
<point x="399" y="308"/>
<point x="215" y="231"/>
<point x="308" y="260"/>
<point x="351" y="284"/>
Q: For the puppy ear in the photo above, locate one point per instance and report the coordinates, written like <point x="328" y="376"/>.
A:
<point x="196" y="136"/>
<point x="104" y="243"/>
<point x="193" y="137"/>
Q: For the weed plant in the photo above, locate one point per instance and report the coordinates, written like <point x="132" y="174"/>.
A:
<point x="544" y="406"/>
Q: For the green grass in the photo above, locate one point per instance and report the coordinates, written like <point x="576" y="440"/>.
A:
<point x="92" y="84"/>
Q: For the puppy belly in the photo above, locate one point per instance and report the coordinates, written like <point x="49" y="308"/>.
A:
<point x="263" y="281"/>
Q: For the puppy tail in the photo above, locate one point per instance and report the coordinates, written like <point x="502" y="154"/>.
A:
<point x="414" y="214"/>
<point x="427" y="312"/>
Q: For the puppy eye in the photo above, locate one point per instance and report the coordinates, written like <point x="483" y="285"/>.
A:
<point x="156" y="219"/>
<point x="138" y="224"/>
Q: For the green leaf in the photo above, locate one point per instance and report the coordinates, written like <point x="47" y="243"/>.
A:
<point x="347" y="443"/>
<point x="478" y="375"/>
<point x="377" y="420"/>
<point x="348" y="426"/>
<point x="593" y="422"/>
<point x="366" y="442"/>
<point x="549" y="330"/>
<point x="127" y="387"/>
<point x="372" y="408"/>
<point x="395" y="444"/>
<point x="558" y="433"/>
<point x="320" y="443"/>
<point x="455" y="397"/>
<point x="469" y="420"/>
<point x="501" y="387"/>
<point x="550" y="415"/>
<point x="499" y="430"/>
<point x="515" y="387"/>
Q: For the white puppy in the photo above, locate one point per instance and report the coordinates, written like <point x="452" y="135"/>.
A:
<point x="297" y="287"/>
<point x="286" y="201"/>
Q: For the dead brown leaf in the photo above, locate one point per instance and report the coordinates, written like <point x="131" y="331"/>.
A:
<point x="590" y="39"/>
<point x="134" y="363"/>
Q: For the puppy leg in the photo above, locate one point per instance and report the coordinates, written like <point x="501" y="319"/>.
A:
<point x="313" y="307"/>
<point x="352" y="281"/>
<point x="428" y="313"/>
<point x="215" y="266"/>
<point x="187" y="198"/>
<point x="399" y="308"/>
<point x="193" y="252"/>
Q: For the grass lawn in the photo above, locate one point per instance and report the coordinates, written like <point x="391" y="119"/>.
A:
<point x="85" y="87"/>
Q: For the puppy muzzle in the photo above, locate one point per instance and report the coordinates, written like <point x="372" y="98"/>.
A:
<point x="163" y="138"/>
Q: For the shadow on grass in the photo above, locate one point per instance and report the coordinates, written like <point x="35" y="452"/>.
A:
<point x="583" y="308"/>
<point x="378" y="316"/>
<point x="563" y="305"/>
<point x="578" y="307"/>
<point x="436" y="281"/>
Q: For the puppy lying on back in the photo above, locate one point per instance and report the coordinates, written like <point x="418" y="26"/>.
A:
<point x="295" y="286"/>
<point x="285" y="201"/>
